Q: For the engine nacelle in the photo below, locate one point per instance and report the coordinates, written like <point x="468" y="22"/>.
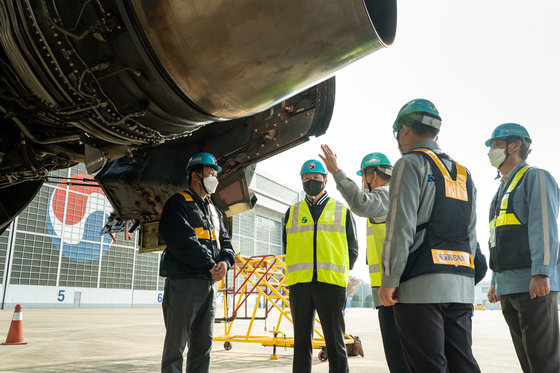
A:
<point x="92" y="81"/>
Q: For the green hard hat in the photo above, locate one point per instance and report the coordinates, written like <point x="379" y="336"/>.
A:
<point x="422" y="110"/>
<point x="375" y="160"/>
<point x="312" y="166"/>
<point x="205" y="159"/>
<point x="509" y="129"/>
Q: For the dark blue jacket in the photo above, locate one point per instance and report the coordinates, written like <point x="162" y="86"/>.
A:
<point x="187" y="254"/>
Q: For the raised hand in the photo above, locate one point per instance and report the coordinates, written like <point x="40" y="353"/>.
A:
<point x="329" y="158"/>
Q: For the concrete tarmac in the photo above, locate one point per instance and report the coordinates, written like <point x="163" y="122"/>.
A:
<point x="131" y="340"/>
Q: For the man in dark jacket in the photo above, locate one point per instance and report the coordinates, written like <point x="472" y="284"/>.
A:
<point x="198" y="253"/>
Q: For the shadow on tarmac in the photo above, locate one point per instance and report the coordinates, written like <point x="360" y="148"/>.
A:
<point x="132" y="365"/>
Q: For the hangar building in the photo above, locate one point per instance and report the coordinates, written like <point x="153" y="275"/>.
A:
<point x="52" y="255"/>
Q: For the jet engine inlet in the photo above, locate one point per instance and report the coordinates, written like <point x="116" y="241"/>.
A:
<point x="256" y="53"/>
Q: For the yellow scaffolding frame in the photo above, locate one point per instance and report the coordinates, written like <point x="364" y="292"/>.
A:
<point x="264" y="277"/>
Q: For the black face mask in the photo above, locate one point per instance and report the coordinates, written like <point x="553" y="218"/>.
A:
<point x="369" y="183"/>
<point x="313" y="187"/>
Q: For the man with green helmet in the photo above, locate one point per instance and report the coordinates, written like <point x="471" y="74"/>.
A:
<point x="371" y="202"/>
<point x="524" y="250"/>
<point x="321" y="247"/>
<point x="429" y="248"/>
<point x="198" y="253"/>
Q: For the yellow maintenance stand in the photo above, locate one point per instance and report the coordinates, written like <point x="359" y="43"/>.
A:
<point x="261" y="278"/>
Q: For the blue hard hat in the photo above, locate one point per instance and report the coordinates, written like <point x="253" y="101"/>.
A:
<point x="508" y="129"/>
<point x="205" y="159"/>
<point x="313" y="166"/>
<point x="372" y="160"/>
<point x="422" y="110"/>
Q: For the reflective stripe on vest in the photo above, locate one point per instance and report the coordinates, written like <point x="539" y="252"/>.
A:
<point x="375" y="234"/>
<point x="504" y="218"/>
<point x="332" y="246"/>
<point x="453" y="258"/>
<point x="456" y="189"/>
<point x="509" y="238"/>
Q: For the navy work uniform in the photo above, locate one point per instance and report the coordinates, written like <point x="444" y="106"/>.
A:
<point x="196" y="240"/>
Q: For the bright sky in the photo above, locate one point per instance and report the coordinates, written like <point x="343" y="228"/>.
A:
<point x="481" y="62"/>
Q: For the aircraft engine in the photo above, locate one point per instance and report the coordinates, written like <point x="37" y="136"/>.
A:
<point x="95" y="80"/>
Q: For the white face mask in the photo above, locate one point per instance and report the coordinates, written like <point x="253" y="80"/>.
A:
<point x="497" y="157"/>
<point x="210" y="183"/>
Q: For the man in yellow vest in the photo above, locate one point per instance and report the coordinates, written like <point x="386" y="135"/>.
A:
<point x="321" y="247"/>
<point x="429" y="248"/>
<point x="372" y="203"/>
<point x="524" y="250"/>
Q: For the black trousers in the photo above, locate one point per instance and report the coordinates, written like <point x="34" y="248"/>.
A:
<point x="329" y="301"/>
<point x="436" y="337"/>
<point x="533" y="325"/>
<point x="391" y="340"/>
<point x="189" y="306"/>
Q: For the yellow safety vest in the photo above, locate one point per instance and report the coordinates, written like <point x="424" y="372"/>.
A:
<point x="503" y="217"/>
<point x="375" y="234"/>
<point x="332" y="245"/>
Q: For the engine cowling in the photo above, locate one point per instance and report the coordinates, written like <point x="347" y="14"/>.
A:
<point x="92" y="81"/>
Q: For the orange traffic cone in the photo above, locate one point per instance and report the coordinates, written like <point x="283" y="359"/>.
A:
<point x="15" y="334"/>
